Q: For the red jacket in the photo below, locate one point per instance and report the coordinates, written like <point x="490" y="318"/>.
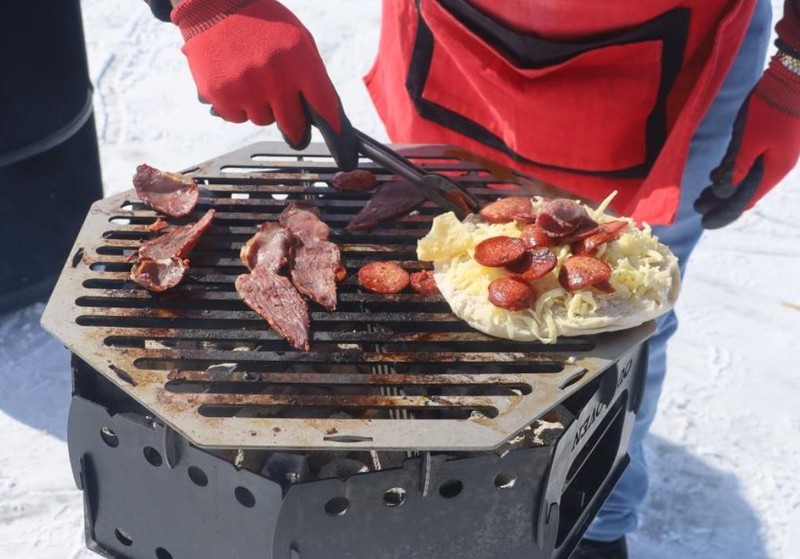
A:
<point x="591" y="96"/>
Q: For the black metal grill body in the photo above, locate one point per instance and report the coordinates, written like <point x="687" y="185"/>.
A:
<point x="169" y="387"/>
<point x="148" y="492"/>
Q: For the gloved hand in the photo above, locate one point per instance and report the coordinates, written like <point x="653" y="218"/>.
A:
<point x="254" y="60"/>
<point x="764" y="148"/>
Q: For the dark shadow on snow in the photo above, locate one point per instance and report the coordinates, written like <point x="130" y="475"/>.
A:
<point x="35" y="380"/>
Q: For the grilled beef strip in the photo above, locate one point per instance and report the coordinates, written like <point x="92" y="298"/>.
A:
<point x="161" y="263"/>
<point x="390" y="200"/>
<point x="172" y="194"/>
<point x="315" y="262"/>
<point x="277" y="301"/>
<point x="268" y="248"/>
<point x="177" y="243"/>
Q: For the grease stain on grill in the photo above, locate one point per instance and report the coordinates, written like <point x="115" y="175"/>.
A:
<point x="123" y="375"/>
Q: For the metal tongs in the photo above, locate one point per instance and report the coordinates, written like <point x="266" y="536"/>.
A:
<point x="439" y="189"/>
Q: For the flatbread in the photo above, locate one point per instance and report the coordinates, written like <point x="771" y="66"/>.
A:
<point x="645" y="275"/>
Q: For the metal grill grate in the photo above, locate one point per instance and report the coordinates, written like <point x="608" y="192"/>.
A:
<point x="396" y="372"/>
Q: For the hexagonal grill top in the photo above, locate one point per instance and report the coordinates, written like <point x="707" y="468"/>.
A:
<point x="397" y="372"/>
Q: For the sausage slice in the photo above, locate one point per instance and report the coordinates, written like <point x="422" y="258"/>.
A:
<point x="561" y="216"/>
<point x="358" y="180"/>
<point x="511" y="294"/>
<point x="423" y="283"/>
<point x="507" y="210"/>
<point x="534" y="236"/>
<point x="605" y="233"/>
<point x="383" y="277"/>
<point x="535" y="264"/>
<point x="499" y="251"/>
<point x="579" y="272"/>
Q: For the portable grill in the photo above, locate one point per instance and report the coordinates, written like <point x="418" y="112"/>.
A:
<point x="196" y="431"/>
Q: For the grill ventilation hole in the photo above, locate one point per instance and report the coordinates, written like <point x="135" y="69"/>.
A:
<point x="198" y="476"/>
<point x="451" y="488"/>
<point x="153" y="456"/>
<point x="109" y="437"/>
<point x="162" y="553"/>
<point x="245" y="497"/>
<point x="394" y="497"/>
<point x="123" y="537"/>
<point x="505" y="480"/>
<point x="337" y="506"/>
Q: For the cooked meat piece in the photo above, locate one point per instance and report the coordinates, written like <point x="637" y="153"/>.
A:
<point x="169" y="193"/>
<point x="383" y="277"/>
<point x="561" y="216"/>
<point x="390" y="199"/>
<point x="603" y="233"/>
<point x="499" y="251"/>
<point x="314" y="271"/>
<point x="277" y="301"/>
<point x="268" y="248"/>
<point x="358" y="180"/>
<point x="424" y="283"/>
<point x="157" y="226"/>
<point x="506" y="210"/>
<point x="511" y="294"/>
<point x="159" y="275"/>
<point x="316" y="261"/>
<point x="177" y="243"/>
<point x="579" y="272"/>
<point x="302" y="220"/>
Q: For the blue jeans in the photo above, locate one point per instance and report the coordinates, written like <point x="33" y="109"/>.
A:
<point x="618" y="515"/>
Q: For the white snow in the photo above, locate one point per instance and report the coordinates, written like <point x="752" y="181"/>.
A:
<point x="724" y="451"/>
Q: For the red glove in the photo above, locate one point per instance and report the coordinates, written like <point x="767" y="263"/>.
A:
<point x="764" y="148"/>
<point x="254" y="60"/>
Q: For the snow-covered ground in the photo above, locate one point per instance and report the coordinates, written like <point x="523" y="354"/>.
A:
<point x="725" y="450"/>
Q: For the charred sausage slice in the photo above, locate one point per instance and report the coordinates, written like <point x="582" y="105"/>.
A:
<point x="605" y="233"/>
<point x="507" y="210"/>
<point x="535" y="264"/>
<point x="423" y="283"/>
<point x="383" y="277"/>
<point x="534" y="236"/>
<point x="561" y="216"/>
<point x="499" y="251"/>
<point x="358" y="180"/>
<point x="511" y="294"/>
<point x="579" y="272"/>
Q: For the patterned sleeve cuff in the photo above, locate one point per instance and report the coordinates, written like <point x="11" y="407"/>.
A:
<point x="780" y="87"/>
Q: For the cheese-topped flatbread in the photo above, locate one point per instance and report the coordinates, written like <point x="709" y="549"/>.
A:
<point x="607" y="274"/>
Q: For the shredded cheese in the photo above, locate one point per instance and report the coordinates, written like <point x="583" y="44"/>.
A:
<point x="639" y="276"/>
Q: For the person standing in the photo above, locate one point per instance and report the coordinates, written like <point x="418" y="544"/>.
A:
<point x="666" y="102"/>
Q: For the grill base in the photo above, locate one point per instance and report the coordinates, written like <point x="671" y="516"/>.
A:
<point x="149" y="492"/>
